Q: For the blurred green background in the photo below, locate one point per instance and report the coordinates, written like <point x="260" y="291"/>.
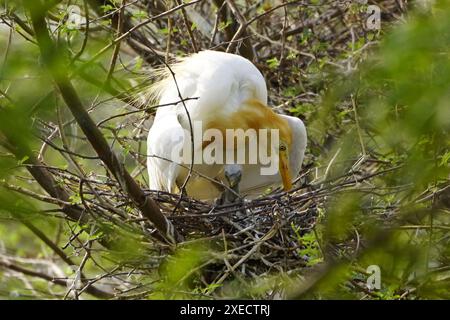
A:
<point x="376" y="104"/>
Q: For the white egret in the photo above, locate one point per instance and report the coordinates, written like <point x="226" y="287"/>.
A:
<point x="228" y="92"/>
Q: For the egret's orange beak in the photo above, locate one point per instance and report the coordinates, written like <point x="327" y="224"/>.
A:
<point x="285" y="172"/>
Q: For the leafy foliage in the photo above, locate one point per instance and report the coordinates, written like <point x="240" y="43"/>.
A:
<point x="375" y="189"/>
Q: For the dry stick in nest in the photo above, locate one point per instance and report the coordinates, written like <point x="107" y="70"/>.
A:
<point x="253" y="250"/>
<point x="49" y="51"/>
<point x="264" y="204"/>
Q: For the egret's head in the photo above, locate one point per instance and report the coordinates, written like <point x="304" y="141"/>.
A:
<point x="265" y="117"/>
<point x="291" y="149"/>
<point x="291" y="138"/>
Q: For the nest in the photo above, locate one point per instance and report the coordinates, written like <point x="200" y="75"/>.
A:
<point x="253" y="237"/>
<point x="269" y="225"/>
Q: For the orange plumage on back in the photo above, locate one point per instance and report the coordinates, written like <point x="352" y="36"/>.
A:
<point x="252" y="115"/>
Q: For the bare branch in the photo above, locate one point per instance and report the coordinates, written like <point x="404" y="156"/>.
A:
<point x="49" y="52"/>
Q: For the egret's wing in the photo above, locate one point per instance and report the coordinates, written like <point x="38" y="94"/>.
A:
<point x="219" y="81"/>
<point x="164" y="143"/>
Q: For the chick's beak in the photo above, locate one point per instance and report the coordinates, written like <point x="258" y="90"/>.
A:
<point x="285" y="172"/>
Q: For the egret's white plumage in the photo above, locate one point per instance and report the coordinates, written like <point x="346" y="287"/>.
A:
<point x="230" y="91"/>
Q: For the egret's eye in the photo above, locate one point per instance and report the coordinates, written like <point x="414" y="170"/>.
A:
<point x="282" y="148"/>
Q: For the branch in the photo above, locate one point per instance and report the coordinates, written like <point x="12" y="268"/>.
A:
<point x="91" y="290"/>
<point x="133" y="32"/>
<point x="247" y="51"/>
<point x="188" y="26"/>
<point x="45" y="179"/>
<point x="51" y="57"/>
